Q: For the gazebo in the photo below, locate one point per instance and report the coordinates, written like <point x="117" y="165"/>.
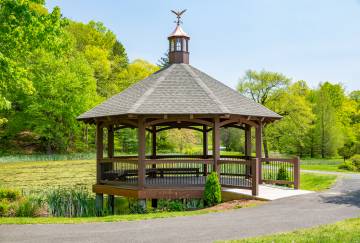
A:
<point x="180" y="96"/>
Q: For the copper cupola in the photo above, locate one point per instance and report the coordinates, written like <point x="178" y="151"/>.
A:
<point x="178" y="42"/>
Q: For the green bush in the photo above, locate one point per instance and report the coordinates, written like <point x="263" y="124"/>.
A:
<point x="212" y="192"/>
<point x="9" y="194"/>
<point x="356" y="161"/>
<point x="29" y="207"/>
<point x="4" y="208"/>
<point x="283" y="174"/>
<point x="347" y="166"/>
<point x="171" y="205"/>
<point x="136" y="208"/>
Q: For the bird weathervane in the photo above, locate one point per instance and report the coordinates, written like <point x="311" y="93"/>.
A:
<point x="178" y="16"/>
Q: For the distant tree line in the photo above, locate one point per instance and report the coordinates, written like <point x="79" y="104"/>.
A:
<point x="321" y="122"/>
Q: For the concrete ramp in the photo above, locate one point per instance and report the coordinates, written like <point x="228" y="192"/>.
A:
<point x="266" y="192"/>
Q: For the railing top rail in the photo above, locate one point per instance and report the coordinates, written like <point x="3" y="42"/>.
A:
<point x="197" y="161"/>
<point x="227" y="161"/>
<point x="292" y="160"/>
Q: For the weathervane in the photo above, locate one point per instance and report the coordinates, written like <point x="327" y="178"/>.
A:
<point x="178" y="15"/>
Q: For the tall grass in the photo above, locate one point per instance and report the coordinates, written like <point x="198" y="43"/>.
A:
<point x="70" y="202"/>
<point x="47" y="157"/>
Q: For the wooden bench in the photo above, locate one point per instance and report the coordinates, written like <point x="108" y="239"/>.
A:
<point x="152" y="173"/>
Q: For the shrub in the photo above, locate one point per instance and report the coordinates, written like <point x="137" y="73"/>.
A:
<point x="29" y="207"/>
<point x="347" y="166"/>
<point x="212" y="192"/>
<point x="283" y="174"/>
<point x="70" y="202"/>
<point x="4" y="208"/>
<point x="171" y="205"/>
<point x="356" y="161"/>
<point x="9" y="194"/>
<point x="136" y="208"/>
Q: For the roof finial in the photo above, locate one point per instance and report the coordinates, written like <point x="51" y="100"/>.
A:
<point x="178" y="15"/>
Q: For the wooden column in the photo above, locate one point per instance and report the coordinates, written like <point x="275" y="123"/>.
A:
<point x="216" y="144"/>
<point x="99" y="156"/>
<point x="99" y="151"/>
<point x="205" y="149"/>
<point x="247" y="140"/>
<point x="141" y="152"/>
<point x="248" y="147"/>
<point x="255" y="176"/>
<point x="296" y="162"/>
<point x="153" y="139"/>
<point x="110" y="141"/>
<point x="258" y="134"/>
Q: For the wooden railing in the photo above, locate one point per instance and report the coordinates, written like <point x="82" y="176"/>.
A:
<point x="280" y="171"/>
<point x="179" y="170"/>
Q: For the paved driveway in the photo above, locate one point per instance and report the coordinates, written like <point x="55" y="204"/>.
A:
<point x="341" y="202"/>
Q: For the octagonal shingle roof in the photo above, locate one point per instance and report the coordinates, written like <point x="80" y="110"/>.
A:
<point x="179" y="89"/>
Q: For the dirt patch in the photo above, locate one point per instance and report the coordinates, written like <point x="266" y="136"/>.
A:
<point x="234" y="204"/>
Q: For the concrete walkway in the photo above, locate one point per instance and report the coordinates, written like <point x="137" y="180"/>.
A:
<point x="269" y="192"/>
<point x="341" y="202"/>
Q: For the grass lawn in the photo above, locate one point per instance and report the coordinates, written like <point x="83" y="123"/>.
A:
<point x="316" y="182"/>
<point x="322" y="164"/>
<point x="113" y="218"/>
<point x="39" y="175"/>
<point x="344" y="231"/>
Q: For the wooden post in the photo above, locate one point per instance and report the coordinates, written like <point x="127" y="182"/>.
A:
<point x="141" y="152"/>
<point x="247" y="140"/>
<point x="111" y="204"/>
<point x="110" y="141"/>
<point x="99" y="151"/>
<point x="153" y="140"/>
<point x="154" y="203"/>
<point x="255" y="176"/>
<point x="99" y="204"/>
<point x="216" y="144"/>
<point x="205" y="149"/>
<point x="258" y="135"/>
<point x="248" y="146"/>
<point x="296" y="161"/>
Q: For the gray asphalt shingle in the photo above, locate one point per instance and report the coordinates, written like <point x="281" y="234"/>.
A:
<point x="179" y="89"/>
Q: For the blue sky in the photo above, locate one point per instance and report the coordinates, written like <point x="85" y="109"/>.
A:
<point x="304" y="39"/>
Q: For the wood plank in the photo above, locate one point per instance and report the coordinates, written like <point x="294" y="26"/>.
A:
<point x="115" y="190"/>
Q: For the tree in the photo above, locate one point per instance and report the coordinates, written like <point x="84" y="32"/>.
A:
<point x="164" y="62"/>
<point x="65" y="88"/>
<point x="262" y="87"/>
<point x="25" y="26"/>
<point x="135" y="71"/>
<point x="291" y="134"/>
<point x="103" y="51"/>
<point x="328" y="108"/>
<point x="347" y="151"/>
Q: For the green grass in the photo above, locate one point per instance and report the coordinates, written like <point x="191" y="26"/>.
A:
<point x="343" y="231"/>
<point x="322" y="164"/>
<point x="316" y="182"/>
<point x="39" y="175"/>
<point x="46" y="157"/>
<point x="114" y="218"/>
